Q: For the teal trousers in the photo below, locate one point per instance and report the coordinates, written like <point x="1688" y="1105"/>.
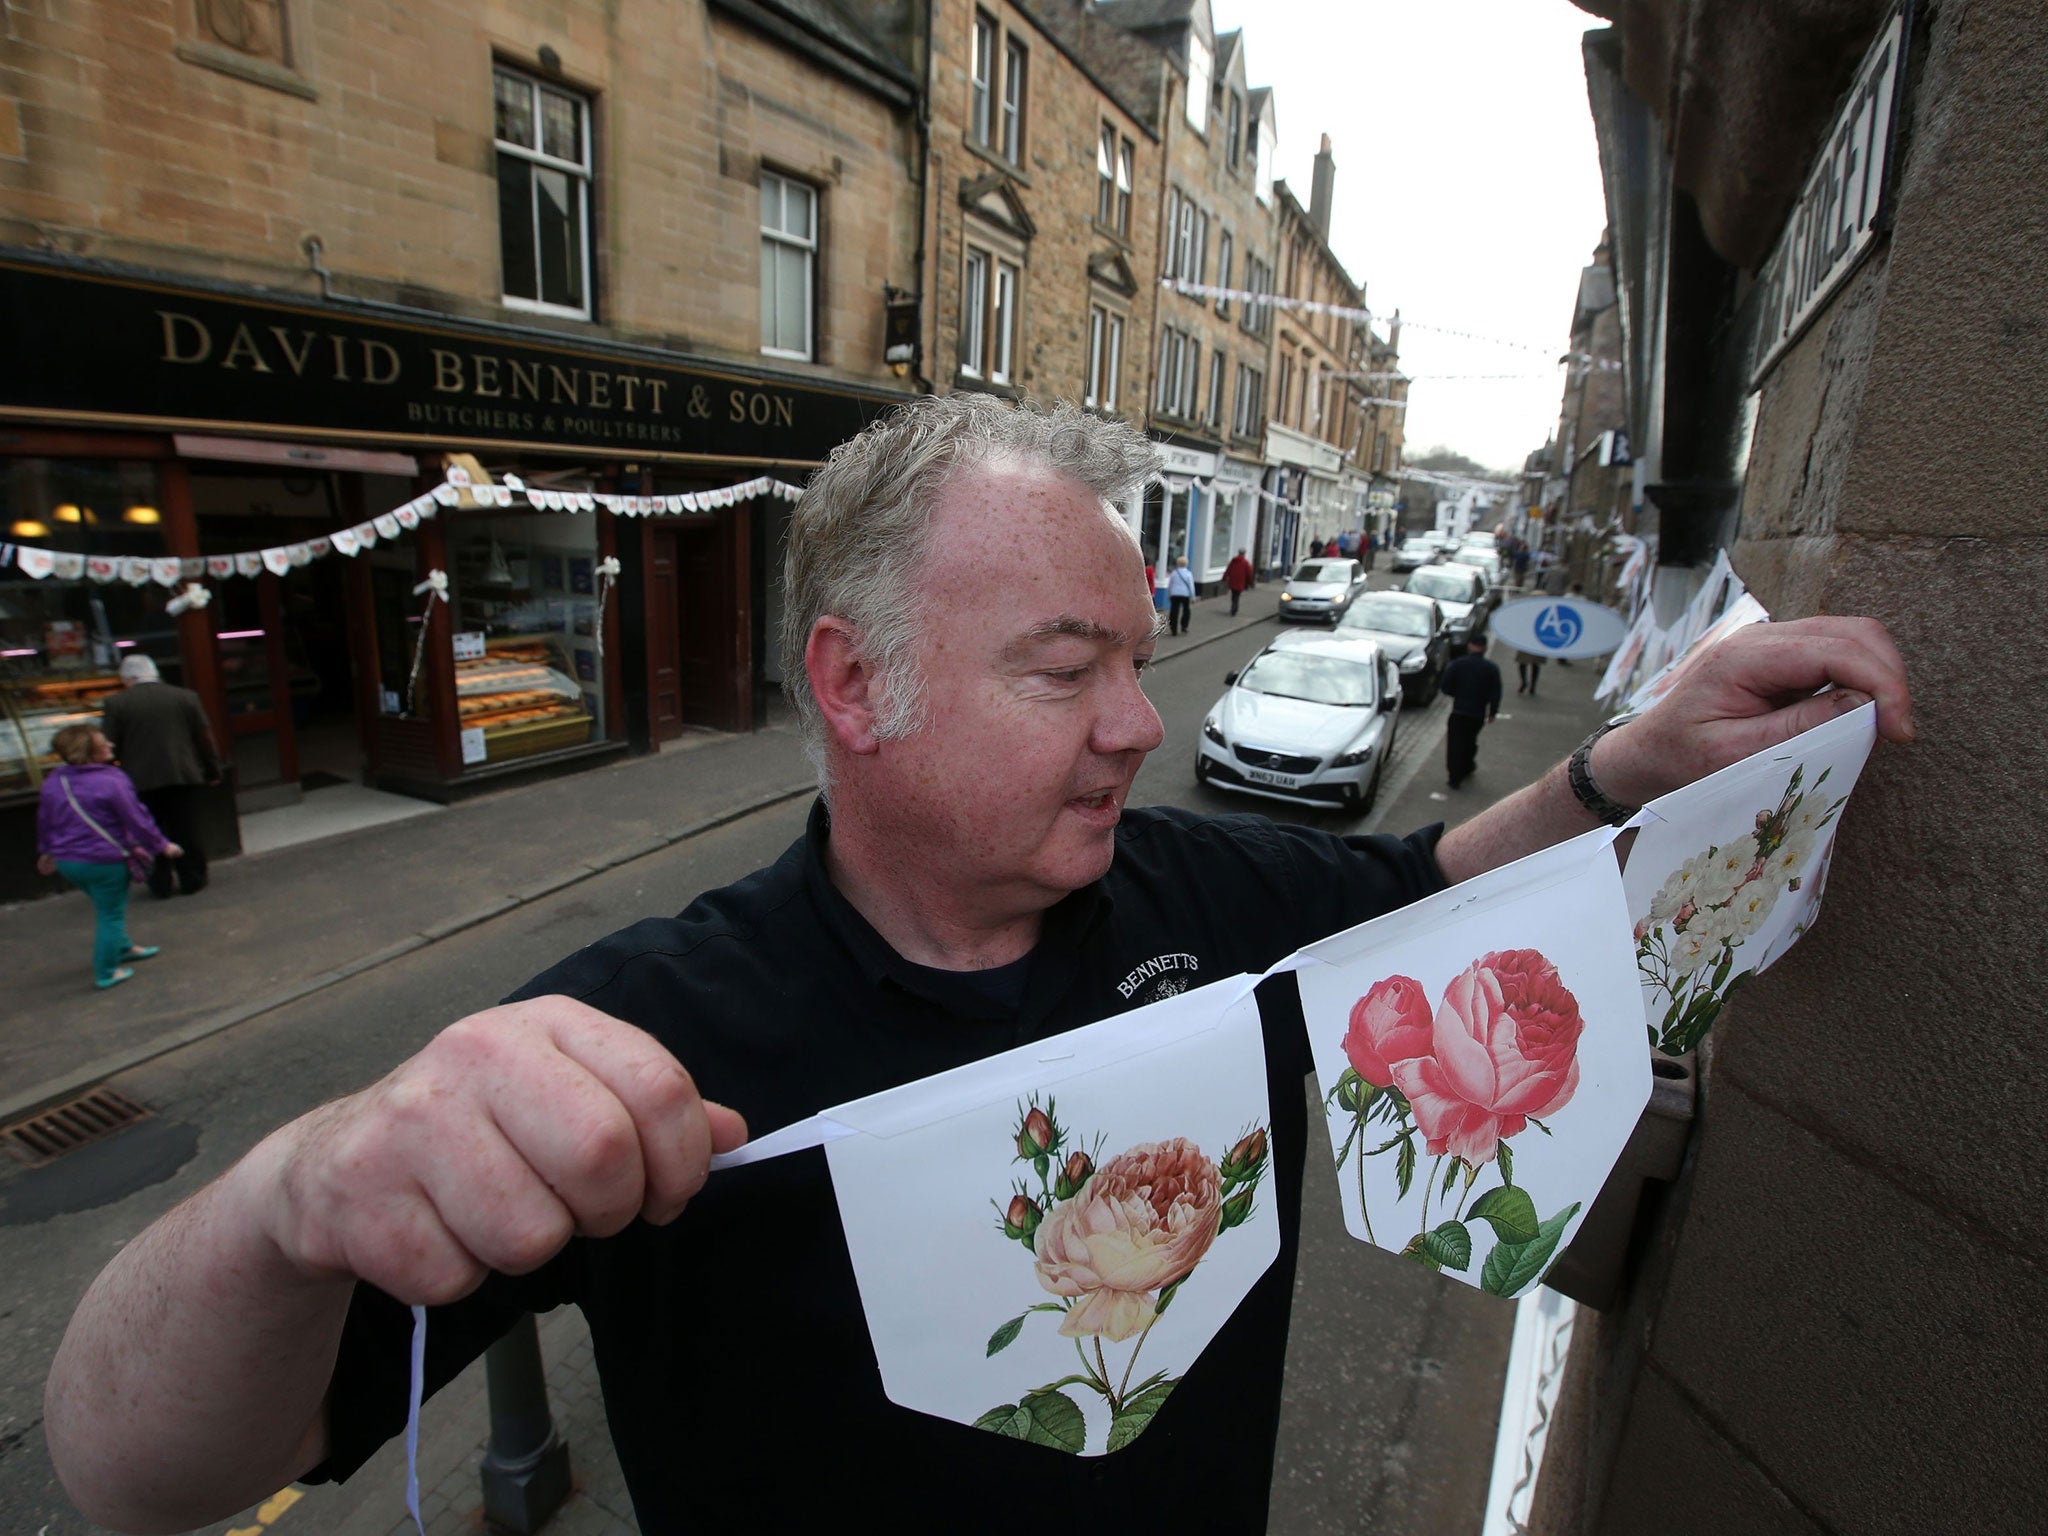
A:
<point x="107" y="886"/>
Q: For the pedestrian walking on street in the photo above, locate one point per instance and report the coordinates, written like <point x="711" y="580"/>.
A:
<point x="166" y="748"/>
<point x="1473" y="686"/>
<point x="92" y="830"/>
<point x="1237" y="576"/>
<point x="1180" y="596"/>
<point x="1528" y="667"/>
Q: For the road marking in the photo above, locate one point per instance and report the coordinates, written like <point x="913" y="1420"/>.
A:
<point x="268" y="1511"/>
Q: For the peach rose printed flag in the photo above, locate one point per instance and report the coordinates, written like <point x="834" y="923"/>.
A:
<point x="1726" y="874"/>
<point x="1482" y="1063"/>
<point x="1046" y="1240"/>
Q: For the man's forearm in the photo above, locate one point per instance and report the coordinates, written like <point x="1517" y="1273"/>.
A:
<point x="190" y="1383"/>
<point x="1528" y="821"/>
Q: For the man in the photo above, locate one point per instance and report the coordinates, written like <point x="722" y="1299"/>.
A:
<point x="965" y="625"/>
<point x="1180" y="597"/>
<point x="1472" y="683"/>
<point x="1237" y="576"/>
<point x="161" y="736"/>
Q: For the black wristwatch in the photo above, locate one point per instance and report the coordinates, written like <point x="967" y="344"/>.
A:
<point x="1580" y="772"/>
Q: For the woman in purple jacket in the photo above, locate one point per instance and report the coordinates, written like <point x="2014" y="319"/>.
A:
<point x="88" y="825"/>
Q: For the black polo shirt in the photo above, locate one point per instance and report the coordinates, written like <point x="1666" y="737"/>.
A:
<point x="741" y="1389"/>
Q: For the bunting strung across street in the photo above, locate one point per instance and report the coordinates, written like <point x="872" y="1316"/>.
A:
<point x="459" y="489"/>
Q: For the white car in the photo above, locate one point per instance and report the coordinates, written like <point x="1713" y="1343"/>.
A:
<point x="1311" y="723"/>
<point x="1321" y="589"/>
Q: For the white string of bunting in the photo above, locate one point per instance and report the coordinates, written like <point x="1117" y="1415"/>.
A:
<point x="1357" y="312"/>
<point x="458" y="490"/>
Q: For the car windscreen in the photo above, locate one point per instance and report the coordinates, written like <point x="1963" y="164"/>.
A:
<point x="1473" y="557"/>
<point x="1444" y="586"/>
<point x="1318" y="679"/>
<point x="1388" y="618"/>
<point x="1324" y="570"/>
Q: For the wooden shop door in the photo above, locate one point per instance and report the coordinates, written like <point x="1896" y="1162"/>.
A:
<point x="664" y="667"/>
<point x="704" y="625"/>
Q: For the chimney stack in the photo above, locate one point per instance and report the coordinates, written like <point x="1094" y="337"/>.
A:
<point x="1320" y="189"/>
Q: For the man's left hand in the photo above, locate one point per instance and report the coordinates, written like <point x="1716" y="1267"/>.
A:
<point x="1759" y="687"/>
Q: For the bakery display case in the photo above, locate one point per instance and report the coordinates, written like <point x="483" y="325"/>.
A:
<point x="33" y="711"/>
<point x="523" y="697"/>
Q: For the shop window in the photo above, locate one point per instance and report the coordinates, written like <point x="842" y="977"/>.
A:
<point x="1015" y="63"/>
<point x="523" y="603"/>
<point x="1105" y="177"/>
<point x="981" y="85"/>
<point x="990" y="292"/>
<point x="1124" y="181"/>
<point x="789" y="253"/>
<point x="1200" y="66"/>
<point x="63" y="634"/>
<point x="543" y="143"/>
<point x="1105" y="357"/>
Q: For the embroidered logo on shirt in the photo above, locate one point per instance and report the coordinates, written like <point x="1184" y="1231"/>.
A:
<point x="1159" y="973"/>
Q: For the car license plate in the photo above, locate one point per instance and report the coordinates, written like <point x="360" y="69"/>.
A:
<point x="1264" y="776"/>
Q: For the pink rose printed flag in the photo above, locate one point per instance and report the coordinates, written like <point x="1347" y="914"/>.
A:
<point x="366" y="535"/>
<point x="167" y="571"/>
<point x="277" y="560"/>
<point x="1047" y="1240"/>
<point x="1481" y="1064"/>
<point x="1726" y="874"/>
<point x="102" y="567"/>
<point x="345" y="541"/>
<point x="408" y="516"/>
<point x="34" y="562"/>
<point x="387" y="526"/>
<point x="220" y="567"/>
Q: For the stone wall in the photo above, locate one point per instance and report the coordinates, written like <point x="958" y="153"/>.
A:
<point x="128" y="132"/>
<point x="1836" y="1321"/>
<point x="1055" y="188"/>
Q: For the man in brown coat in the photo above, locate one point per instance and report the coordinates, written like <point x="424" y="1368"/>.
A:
<point x="161" y="735"/>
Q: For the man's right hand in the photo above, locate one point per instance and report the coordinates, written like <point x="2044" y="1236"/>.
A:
<point x="514" y="1130"/>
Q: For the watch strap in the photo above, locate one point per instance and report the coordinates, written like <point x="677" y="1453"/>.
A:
<point x="1580" y="773"/>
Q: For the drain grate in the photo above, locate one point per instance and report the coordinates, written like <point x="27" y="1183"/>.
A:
<point x="50" y="1134"/>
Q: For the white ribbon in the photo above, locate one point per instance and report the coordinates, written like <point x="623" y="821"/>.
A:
<point x="193" y="598"/>
<point x="436" y="589"/>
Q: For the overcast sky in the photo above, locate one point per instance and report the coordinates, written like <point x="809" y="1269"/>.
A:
<point x="1468" y="186"/>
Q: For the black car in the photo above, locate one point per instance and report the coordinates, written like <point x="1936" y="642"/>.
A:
<point x="1410" y="630"/>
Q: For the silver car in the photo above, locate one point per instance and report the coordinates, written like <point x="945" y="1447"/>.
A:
<point x="1460" y="590"/>
<point x="1410" y="632"/>
<point x="1321" y="589"/>
<point x="1309" y="723"/>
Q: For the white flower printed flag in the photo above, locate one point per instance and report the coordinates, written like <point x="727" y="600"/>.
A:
<point x="345" y="541"/>
<point x="167" y="572"/>
<point x="192" y="569"/>
<point x="34" y="562"/>
<point x="446" y="494"/>
<point x="299" y="553"/>
<point x="366" y="534"/>
<point x="277" y="560"/>
<point x="387" y="526"/>
<point x="1046" y="1240"/>
<point x="1481" y="1063"/>
<point x="249" y="563"/>
<point x="67" y="567"/>
<point x="1727" y="875"/>
<point x="135" y="570"/>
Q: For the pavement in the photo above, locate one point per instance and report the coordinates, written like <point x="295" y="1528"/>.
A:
<point x="280" y="927"/>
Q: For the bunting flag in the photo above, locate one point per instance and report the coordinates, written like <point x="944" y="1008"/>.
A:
<point x="459" y="489"/>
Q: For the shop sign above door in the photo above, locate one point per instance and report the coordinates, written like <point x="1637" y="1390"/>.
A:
<point x="131" y="352"/>
<point x="1846" y="203"/>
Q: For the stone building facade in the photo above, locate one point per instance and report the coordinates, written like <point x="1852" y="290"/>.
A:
<point x="1830" y="1321"/>
<point x="1044" y="188"/>
<point x="1315" y="425"/>
<point x="284" y="262"/>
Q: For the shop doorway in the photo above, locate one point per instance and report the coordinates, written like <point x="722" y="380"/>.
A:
<point x="286" y="646"/>
<point x="699" y="672"/>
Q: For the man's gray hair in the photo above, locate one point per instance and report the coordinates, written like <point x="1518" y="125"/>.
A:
<point x="139" y="669"/>
<point x="859" y="535"/>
